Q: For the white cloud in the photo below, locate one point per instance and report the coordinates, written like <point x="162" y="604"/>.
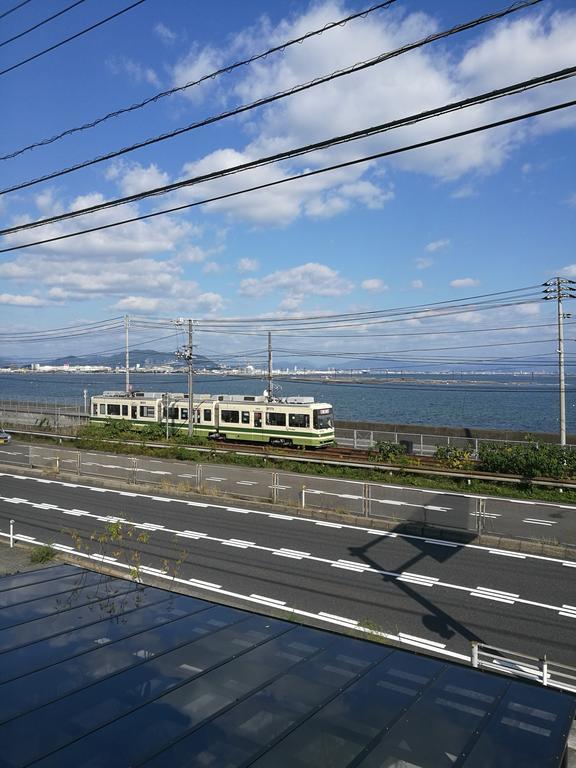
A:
<point x="572" y="200"/>
<point x="467" y="190"/>
<point x="568" y="271"/>
<point x="423" y="262"/>
<point x="423" y="79"/>
<point x="137" y="72"/>
<point x="198" y="63"/>
<point x="374" y="284"/>
<point x="165" y="33"/>
<point x="211" y="267"/>
<point x="134" y="178"/>
<point x="247" y="265"/>
<point x="310" y="279"/>
<point x="16" y="300"/>
<point x="437" y="245"/>
<point x="417" y="284"/>
<point x="464" y="282"/>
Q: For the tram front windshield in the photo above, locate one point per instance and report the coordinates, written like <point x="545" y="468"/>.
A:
<point x="323" y="418"/>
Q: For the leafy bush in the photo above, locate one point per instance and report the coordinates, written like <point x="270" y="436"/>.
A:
<point x="454" y="458"/>
<point x="390" y="452"/>
<point x="528" y="459"/>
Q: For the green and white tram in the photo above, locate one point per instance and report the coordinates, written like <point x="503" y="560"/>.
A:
<point x="297" y="421"/>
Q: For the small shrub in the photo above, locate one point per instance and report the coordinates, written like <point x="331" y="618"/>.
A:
<point x="454" y="458"/>
<point x="390" y="452"/>
<point x="42" y="554"/>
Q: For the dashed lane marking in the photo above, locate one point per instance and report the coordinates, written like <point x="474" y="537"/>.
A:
<point x="539" y="522"/>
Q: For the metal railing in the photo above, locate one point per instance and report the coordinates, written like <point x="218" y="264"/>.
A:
<point x="418" y="443"/>
<point x="541" y="670"/>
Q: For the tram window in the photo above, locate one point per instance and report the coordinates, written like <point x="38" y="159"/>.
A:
<point x="147" y="412"/>
<point x="172" y="413"/>
<point x="257" y="419"/>
<point x="276" y="419"/>
<point x="245" y="417"/>
<point x="134" y="410"/>
<point x="323" y="418"/>
<point x="230" y="417"/>
<point x="102" y="409"/>
<point x="184" y="414"/>
<point x="207" y="414"/>
<point x="95" y="409"/>
<point x="124" y="410"/>
<point x="298" y="420"/>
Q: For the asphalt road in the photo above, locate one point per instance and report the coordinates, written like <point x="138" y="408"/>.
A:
<point x="430" y="594"/>
<point x="505" y="517"/>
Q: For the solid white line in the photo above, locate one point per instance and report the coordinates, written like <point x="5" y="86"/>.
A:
<point x="328" y="525"/>
<point x="567" y="613"/>
<point x="233" y="544"/>
<point x="569" y="565"/>
<point x="203" y="583"/>
<point x="241" y="541"/>
<point x="348" y="567"/>
<point x="337" y="618"/>
<point x="440" y="543"/>
<point x="507" y="554"/>
<point x="422" y="640"/>
<point x="237" y="509"/>
<point x="278" y="517"/>
<point x="268" y="599"/>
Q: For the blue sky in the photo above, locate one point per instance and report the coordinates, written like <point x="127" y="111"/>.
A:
<point x="480" y="214"/>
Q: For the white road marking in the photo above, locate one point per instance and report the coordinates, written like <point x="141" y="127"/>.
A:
<point x="288" y="554"/>
<point x="246" y="482"/>
<point x="305" y="520"/>
<point x="233" y="544"/>
<point x="496" y="598"/>
<point x="346" y="567"/>
<point x="338" y="618"/>
<point x="497" y="592"/>
<point x="203" y="583"/>
<point x="422" y="640"/>
<point x="539" y="522"/>
<point x="295" y="552"/>
<point x="328" y="525"/>
<point x="441" y="543"/>
<point x="215" y="479"/>
<point x="507" y="554"/>
<point x="268" y="599"/>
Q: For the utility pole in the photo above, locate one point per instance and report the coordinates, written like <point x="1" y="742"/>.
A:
<point x="167" y="398"/>
<point x="187" y="354"/>
<point x="126" y="326"/>
<point x="557" y="289"/>
<point x="269" y="366"/>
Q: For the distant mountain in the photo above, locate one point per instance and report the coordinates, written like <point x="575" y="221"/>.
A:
<point x="146" y="358"/>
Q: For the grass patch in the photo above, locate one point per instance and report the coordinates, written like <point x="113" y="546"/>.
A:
<point x="43" y="554"/>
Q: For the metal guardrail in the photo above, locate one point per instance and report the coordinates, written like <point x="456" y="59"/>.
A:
<point x="540" y="670"/>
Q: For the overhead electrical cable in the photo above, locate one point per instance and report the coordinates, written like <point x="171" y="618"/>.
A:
<point x="72" y="37"/>
<point x="15" y="8"/>
<point x="276" y="97"/>
<point x="210" y="76"/>
<point x="258" y="187"/>
<point x="41" y="23"/>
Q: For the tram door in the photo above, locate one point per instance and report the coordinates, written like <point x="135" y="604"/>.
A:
<point x="134" y="411"/>
<point x="257" y="418"/>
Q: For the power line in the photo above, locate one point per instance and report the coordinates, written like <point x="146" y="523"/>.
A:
<point x="15" y="8"/>
<point x="211" y="76"/>
<point x="258" y="187"/>
<point x="72" y="37"/>
<point x="290" y="92"/>
<point x="41" y="23"/>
